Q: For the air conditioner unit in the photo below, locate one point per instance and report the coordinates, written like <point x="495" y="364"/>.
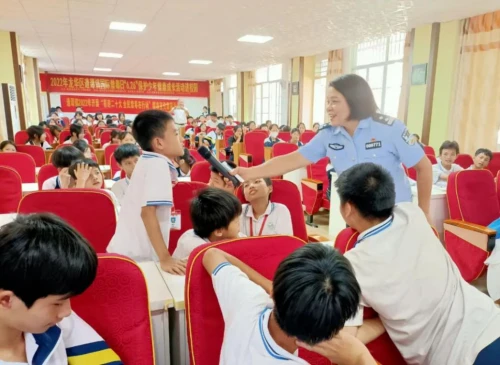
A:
<point x="11" y="110"/>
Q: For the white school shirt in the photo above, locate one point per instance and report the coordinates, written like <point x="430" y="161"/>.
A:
<point x="45" y="145"/>
<point x="431" y="314"/>
<point x="493" y="274"/>
<point x="210" y="124"/>
<point x="119" y="188"/>
<point x="150" y="185"/>
<point x="68" y="141"/>
<point x="438" y="169"/>
<point x="279" y="221"/>
<point x="51" y="183"/>
<point x="180" y="116"/>
<point x="246" y="308"/>
<point x="188" y="242"/>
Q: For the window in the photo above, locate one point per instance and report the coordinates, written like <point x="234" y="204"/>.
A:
<point x="268" y="94"/>
<point x="320" y="91"/>
<point x="380" y="62"/>
<point x="233" y="96"/>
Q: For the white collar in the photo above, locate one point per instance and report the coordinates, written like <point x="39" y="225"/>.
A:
<point x="249" y="211"/>
<point x="375" y="229"/>
<point x="147" y="154"/>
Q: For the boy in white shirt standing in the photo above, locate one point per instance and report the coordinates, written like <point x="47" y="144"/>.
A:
<point x="143" y="228"/>
<point x="126" y="156"/>
<point x="431" y="314"/>
<point x="445" y="166"/>
<point x="215" y="214"/>
<point x="313" y="293"/>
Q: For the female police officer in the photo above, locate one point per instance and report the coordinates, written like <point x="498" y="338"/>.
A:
<point x="357" y="133"/>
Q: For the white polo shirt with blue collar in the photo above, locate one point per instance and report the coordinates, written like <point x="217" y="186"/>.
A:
<point x="275" y="220"/>
<point x="246" y="309"/>
<point x="382" y="140"/>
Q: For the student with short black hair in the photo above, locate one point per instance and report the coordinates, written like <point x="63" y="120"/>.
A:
<point x="218" y="134"/>
<point x="295" y="137"/>
<point x="316" y="127"/>
<point x="405" y="272"/>
<point x="301" y="127"/>
<point x="84" y="147"/>
<point x="114" y="138"/>
<point x="445" y="165"/>
<point x="75" y="132"/>
<point x="261" y="216"/>
<point x="273" y="136"/>
<point x="55" y="131"/>
<point x="212" y="121"/>
<point x="215" y="215"/>
<point x="184" y="163"/>
<point x="313" y="292"/>
<point x="481" y="159"/>
<point x="143" y="228"/>
<point x="217" y="180"/>
<point x="252" y="126"/>
<point x="126" y="137"/>
<point x="37" y="137"/>
<point x="43" y="263"/>
<point x="62" y="158"/>
<point x="126" y="155"/>
<point x="78" y="119"/>
<point x="8" y="146"/>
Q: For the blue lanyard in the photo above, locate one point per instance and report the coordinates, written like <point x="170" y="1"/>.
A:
<point x="376" y="231"/>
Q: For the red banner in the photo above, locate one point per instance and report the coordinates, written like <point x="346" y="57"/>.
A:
<point x="92" y="104"/>
<point x="56" y="83"/>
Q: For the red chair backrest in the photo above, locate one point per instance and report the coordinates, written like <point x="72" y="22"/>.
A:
<point x="88" y="137"/>
<point x="201" y="172"/>
<point x="205" y="325"/>
<point x="116" y="305"/>
<point x="77" y="207"/>
<point x="464" y="160"/>
<point x="105" y="136"/>
<point x="196" y="155"/>
<point x="49" y="136"/>
<point x="346" y="240"/>
<point x="411" y="172"/>
<point x="228" y="132"/>
<point x="285" y="136"/>
<point x="21" y="137"/>
<point x="494" y="165"/>
<point x="109" y="159"/>
<point x="472" y="197"/>
<point x="11" y="189"/>
<point x="46" y="172"/>
<point x="64" y="136"/>
<point x="286" y="192"/>
<point x="429" y="150"/>
<point x="183" y="193"/>
<point x="432" y="159"/>
<point x="36" y="152"/>
<point x="282" y="148"/>
<point x="254" y="145"/>
<point x="317" y="171"/>
<point x="23" y="163"/>
<point x="65" y="120"/>
<point x="307" y="136"/>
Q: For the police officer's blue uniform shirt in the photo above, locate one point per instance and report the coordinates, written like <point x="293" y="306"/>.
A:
<point x="382" y="140"/>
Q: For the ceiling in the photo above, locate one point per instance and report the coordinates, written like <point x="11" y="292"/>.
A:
<point x="67" y="35"/>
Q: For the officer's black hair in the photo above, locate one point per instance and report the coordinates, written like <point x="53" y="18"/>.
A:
<point x="358" y="95"/>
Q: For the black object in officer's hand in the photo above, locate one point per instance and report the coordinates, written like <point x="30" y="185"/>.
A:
<point x="222" y="168"/>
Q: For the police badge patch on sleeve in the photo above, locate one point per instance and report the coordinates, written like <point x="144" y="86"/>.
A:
<point x="408" y="137"/>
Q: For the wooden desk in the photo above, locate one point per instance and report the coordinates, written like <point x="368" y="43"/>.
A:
<point x="48" y="155"/>
<point x="159" y="298"/>
<point x="7" y="218"/>
<point x="99" y="154"/>
<point x="29" y="188"/>
<point x="268" y="153"/>
<point x="179" y="346"/>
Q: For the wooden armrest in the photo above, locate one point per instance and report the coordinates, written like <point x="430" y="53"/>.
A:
<point x="313" y="184"/>
<point x="476" y="234"/>
<point x="317" y="238"/>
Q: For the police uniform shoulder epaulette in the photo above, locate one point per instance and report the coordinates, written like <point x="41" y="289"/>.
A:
<point x="384" y="119"/>
<point x="325" y="126"/>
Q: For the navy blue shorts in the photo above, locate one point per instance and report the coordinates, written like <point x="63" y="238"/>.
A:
<point x="490" y="354"/>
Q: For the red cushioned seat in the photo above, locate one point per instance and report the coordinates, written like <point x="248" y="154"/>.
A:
<point x="205" y="325"/>
<point x="280" y="149"/>
<point x="110" y="160"/>
<point x="201" y="172"/>
<point x="494" y="165"/>
<point x="116" y="305"/>
<point x="21" y="137"/>
<point x="106" y="136"/>
<point x="91" y="212"/>
<point x="464" y="160"/>
<point x="36" y="152"/>
<point x="46" y="172"/>
<point x="23" y="163"/>
<point x="183" y="193"/>
<point x="473" y="204"/>
<point x="285" y="136"/>
<point x="254" y="148"/>
<point x="314" y="188"/>
<point x="11" y="189"/>
<point x="307" y="136"/>
<point x="429" y="150"/>
<point x="432" y="159"/>
<point x="196" y="155"/>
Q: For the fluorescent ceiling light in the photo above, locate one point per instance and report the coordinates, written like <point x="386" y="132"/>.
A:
<point x="200" y="62"/>
<point x="102" y="69"/>
<point x="255" y="38"/>
<point x="131" y="27"/>
<point x="171" y="73"/>
<point x="110" y="55"/>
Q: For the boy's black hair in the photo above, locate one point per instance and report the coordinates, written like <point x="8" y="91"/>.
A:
<point x="221" y="126"/>
<point x="370" y="188"/>
<point x="358" y="95"/>
<point x="86" y="161"/>
<point x="41" y="255"/>
<point x="486" y="151"/>
<point x="230" y="163"/>
<point x="54" y="128"/>
<point x="315" y="292"/>
<point x="115" y="133"/>
<point x="295" y="130"/>
<point x="148" y="125"/>
<point x="5" y="143"/>
<point x="123" y="134"/>
<point x="230" y="116"/>
<point x="449" y="145"/>
<point x="64" y="156"/>
<point x="109" y="121"/>
<point x="81" y="145"/>
<point x="286" y="128"/>
<point x="125" y="151"/>
<point x="213" y="114"/>
<point x="213" y="209"/>
<point x="274" y="125"/>
<point x="34" y="130"/>
<point x="75" y="129"/>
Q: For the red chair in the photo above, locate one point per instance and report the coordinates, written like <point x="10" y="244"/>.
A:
<point x="429" y="150"/>
<point x="183" y="193"/>
<point x="21" y="137"/>
<point x="280" y="149"/>
<point x="286" y="192"/>
<point x="205" y="325"/>
<point x="23" y="163"/>
<point x="105" y="136"/>
<point x="432" y="159"/>
<point x="77" y="207"/>
<point x="11" y="188"/>
<point x="66" y="121"/>
<point x="314" y="189"/>
<point x="116" y="305"/>
<point x="65" y="134"/>
<point x="285" y="136"/>
<point x="464" y="160"/>
<point x="254" y="147"/>
<point x="307" y="136"/>
<point x="46" y="172"/>
<point x="228" y="132"/>
<point x="196" y="155"/>
<point x="36" y="152"/>
<point x="201" y="172"/>
<point x="473" y="204"/>
<point x="494" y="165"/>
<point x="109" y="158"/>
<point x="49" y="137"/>
<point x="88" y="137"/>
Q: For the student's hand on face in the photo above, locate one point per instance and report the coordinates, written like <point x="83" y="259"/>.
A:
<point x="228" y="184"/>
<point x="343" y="349"/>
<point x="174" y="266"/>
<point x="82" y="173"/>
<point x="64" y="178"/>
